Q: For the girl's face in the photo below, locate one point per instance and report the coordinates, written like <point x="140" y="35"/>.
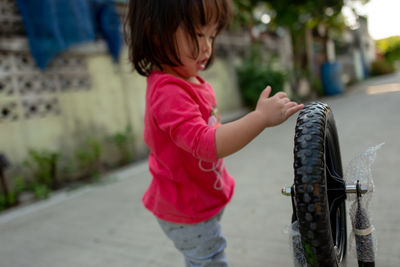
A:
<point x="191" y="65"/>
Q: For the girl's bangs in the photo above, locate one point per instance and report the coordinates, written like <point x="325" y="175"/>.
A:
<point x="212" y="12"/>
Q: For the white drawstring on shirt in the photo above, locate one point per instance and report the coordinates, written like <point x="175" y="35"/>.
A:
<point x="216" y="168"/>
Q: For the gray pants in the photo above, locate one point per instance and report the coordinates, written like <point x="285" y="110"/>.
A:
<point x="202" y="244"/>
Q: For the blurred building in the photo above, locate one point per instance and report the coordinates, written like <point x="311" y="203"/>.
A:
<point x="355" y="50"/>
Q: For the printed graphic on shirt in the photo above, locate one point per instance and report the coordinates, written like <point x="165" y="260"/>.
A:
<point x="215" y="119"/>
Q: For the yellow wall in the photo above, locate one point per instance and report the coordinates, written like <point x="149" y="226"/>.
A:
<point x="221" y="75"/>
<point x="114" y="101"/>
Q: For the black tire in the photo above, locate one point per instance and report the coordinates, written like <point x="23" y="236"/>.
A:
<point x="317" y="166"/>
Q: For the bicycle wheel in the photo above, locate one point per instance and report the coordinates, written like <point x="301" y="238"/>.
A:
<point x="319" y="187"/>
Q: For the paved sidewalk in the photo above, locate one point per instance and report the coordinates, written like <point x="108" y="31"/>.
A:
<point x="106" y="225"/>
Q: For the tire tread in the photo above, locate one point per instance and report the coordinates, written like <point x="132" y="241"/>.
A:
<point x="310" y="185"/>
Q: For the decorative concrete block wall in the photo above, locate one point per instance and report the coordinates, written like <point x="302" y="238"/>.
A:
<point x="81" y="95"/>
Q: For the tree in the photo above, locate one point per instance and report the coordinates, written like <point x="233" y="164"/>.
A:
<point x="300" y="17"/>
<point x="390" y="47"/>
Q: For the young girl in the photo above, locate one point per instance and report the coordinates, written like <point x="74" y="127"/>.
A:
<point x="170" y="42"/>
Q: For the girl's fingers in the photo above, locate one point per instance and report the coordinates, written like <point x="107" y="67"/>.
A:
<point x="290" y="104"/>
<point x="281" y="95"/>
<point x="293" y="108"/>
<point x="287" y="106"/>
<point x="266" y="92"/>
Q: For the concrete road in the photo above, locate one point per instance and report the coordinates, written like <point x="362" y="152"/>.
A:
<point x="106" y="225"/>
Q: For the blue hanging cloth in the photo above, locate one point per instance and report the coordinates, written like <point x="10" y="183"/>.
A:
<point x="52" y="26"/>
<point x="106" y="21"/>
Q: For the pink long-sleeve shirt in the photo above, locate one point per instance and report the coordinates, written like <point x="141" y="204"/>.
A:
<point x="189" y="184"/>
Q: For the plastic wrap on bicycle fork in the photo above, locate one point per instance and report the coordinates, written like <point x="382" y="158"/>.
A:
<point x="299" y="257"/>
<point x="362" y="238"/>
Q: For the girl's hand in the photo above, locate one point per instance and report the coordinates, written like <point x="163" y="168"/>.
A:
<point x="270" y="111"/>
<point x="276" y="109"/>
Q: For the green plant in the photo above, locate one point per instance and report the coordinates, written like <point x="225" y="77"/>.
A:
<point x="124" y="143"/>
<point x="390" y="47"/>
<point x="3" y="202"/>
<point x="8" y="201"/>
<point x="381" y="67"/>
<point x="18" y="186"/>
<point x="316" y="85"/>
<point x="254" y="75"/>
<point x="41" y="191"/>
<point x="89" y="158"/>
<point x="43" y="163"/>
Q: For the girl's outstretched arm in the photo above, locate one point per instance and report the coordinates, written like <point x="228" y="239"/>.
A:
<point x="270" y="111"/>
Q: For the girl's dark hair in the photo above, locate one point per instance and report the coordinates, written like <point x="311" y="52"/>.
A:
<point x="150" y="28"/>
